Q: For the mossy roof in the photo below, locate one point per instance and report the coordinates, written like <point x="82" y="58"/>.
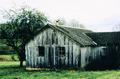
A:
<point x="105" y="38"/>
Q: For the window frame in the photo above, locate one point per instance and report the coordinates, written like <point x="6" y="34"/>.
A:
<point x="61" y="50"/>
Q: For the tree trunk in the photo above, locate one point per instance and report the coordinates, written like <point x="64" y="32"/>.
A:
<point x="21" y="55"/>
<point x="21" y="63"/>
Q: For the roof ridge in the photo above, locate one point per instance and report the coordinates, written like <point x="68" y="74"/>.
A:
<point x="73" y="34"/>
<point x="69" y="27"/>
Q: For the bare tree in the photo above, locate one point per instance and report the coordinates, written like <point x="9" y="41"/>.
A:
<point x="116" y="27"/>
<point x="75" y="23"/>
<point x="60" y="21"/>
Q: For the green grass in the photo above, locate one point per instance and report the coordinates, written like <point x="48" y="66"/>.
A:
<point x="11" y="70"/>
<point x="9" y="57"/>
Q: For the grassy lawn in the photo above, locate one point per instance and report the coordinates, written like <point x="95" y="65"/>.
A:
<point x="8" y="57"/>
<point x="11" y="70"/>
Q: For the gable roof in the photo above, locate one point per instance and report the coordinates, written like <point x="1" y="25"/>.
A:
<point x="77" y="30"/>
<point x="105" y="38"/>
<point x="75" y="34"/>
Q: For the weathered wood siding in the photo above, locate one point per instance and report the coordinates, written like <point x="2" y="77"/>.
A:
<point x="50" y="39"/>
<point x="87" y="52"/>
<point x="101" y="57"/>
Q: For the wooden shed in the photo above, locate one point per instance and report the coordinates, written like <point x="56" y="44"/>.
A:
<point x="104" y="55"/>
<point x="57" y="47"/>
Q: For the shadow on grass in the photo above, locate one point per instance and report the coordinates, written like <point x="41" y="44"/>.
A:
<point x="8" y="70"/>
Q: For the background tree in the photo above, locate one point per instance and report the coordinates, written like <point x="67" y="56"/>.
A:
<point x="60" y="21"/>
<point x="75" y="23"/>
<point x="71" y="23"/>
<point x="21" y="26"/>
<point x="116" y="27"/>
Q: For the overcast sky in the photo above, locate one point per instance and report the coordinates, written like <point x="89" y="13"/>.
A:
<point x="98" y="15"/>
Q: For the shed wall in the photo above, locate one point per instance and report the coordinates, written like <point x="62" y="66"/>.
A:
<point x="50" y="39"/>
<point x="101" y="57"/>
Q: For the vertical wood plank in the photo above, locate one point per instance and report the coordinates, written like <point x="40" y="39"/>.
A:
<point x="52" y="38"/>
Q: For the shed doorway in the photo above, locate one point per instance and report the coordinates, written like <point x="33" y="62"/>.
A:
<point x="56" y="56"/>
